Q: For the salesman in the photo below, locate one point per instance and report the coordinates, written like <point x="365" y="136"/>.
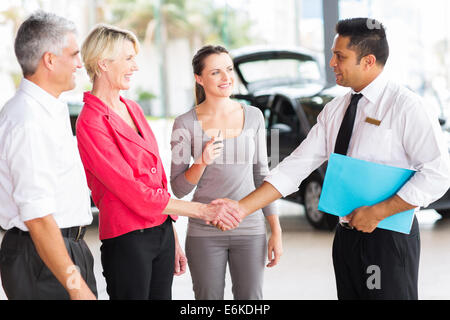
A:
<point x="377" y="121"/>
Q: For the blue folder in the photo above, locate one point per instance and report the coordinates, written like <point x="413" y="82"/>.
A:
<point x="352" y="183"/>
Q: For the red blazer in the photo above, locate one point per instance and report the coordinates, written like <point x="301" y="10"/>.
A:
<point x="124" y="170"/>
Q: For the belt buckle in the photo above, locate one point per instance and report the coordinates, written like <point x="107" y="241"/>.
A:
<point x="78" y="233"/>
<point x="346" y="225"/>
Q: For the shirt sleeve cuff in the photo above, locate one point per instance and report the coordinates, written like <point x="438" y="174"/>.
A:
<point x="281" y="182"/>
<point x="37" y="209"/>
<point x="410" y="194"/>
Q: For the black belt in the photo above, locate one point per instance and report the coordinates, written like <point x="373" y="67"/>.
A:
<point x="75" y="233"/>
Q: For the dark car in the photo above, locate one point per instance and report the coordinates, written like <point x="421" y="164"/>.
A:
<point x="289" y="88"/>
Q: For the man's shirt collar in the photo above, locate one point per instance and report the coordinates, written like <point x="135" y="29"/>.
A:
<point x="375" y="89"/>
<point x="53" y="105"/>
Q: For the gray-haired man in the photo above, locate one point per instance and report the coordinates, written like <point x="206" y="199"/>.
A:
<point x="43" y="189"/>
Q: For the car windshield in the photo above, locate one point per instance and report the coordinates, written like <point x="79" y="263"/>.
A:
<point x="282" y="71"/>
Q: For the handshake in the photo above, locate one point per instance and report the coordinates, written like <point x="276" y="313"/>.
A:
<point x="224" y="214"/>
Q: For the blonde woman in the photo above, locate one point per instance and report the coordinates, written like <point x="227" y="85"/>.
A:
<point x="140" y="251"/>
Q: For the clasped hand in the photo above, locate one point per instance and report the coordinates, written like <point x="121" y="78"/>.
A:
<point x="364" y="219"/>
<point x="224" y="214"/>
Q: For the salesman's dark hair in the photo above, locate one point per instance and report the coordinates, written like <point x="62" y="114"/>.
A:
<point x="367" y="36"/>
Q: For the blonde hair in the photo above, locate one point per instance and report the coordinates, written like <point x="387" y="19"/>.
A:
<point x="104" y="42"/>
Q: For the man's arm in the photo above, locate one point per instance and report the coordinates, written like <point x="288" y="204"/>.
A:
<point x="32" y="171"/>
<point x="50" y="246"/>
<point x="259" y="198"/>
<point x="426" y="147"/>
<point x="424" y="144"/>
<point x="367" y="218"/>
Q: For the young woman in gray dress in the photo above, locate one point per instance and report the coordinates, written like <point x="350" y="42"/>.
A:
<point x="227" y="142"/>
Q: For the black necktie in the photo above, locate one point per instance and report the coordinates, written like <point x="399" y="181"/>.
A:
<point x="345" y="131"/>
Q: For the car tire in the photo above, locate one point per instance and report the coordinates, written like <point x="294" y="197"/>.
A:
<point x="311" y="194"/>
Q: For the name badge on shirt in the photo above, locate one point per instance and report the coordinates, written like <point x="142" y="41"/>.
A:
<point x="373" y="121"/>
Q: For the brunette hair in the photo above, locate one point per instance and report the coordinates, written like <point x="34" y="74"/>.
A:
<point x="198" y="65"/>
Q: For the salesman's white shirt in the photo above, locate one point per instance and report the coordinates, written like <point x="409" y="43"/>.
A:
<point x="408" y="137"/>
<point x="40" y="168"/>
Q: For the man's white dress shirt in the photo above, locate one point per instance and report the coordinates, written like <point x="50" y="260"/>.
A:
<point x="40" y="168"/>
<point x="407" y="137"/>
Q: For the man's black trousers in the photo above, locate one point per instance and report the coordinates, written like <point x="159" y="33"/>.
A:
<point x="379" y="265"/>
<point x="26" y="277"/>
